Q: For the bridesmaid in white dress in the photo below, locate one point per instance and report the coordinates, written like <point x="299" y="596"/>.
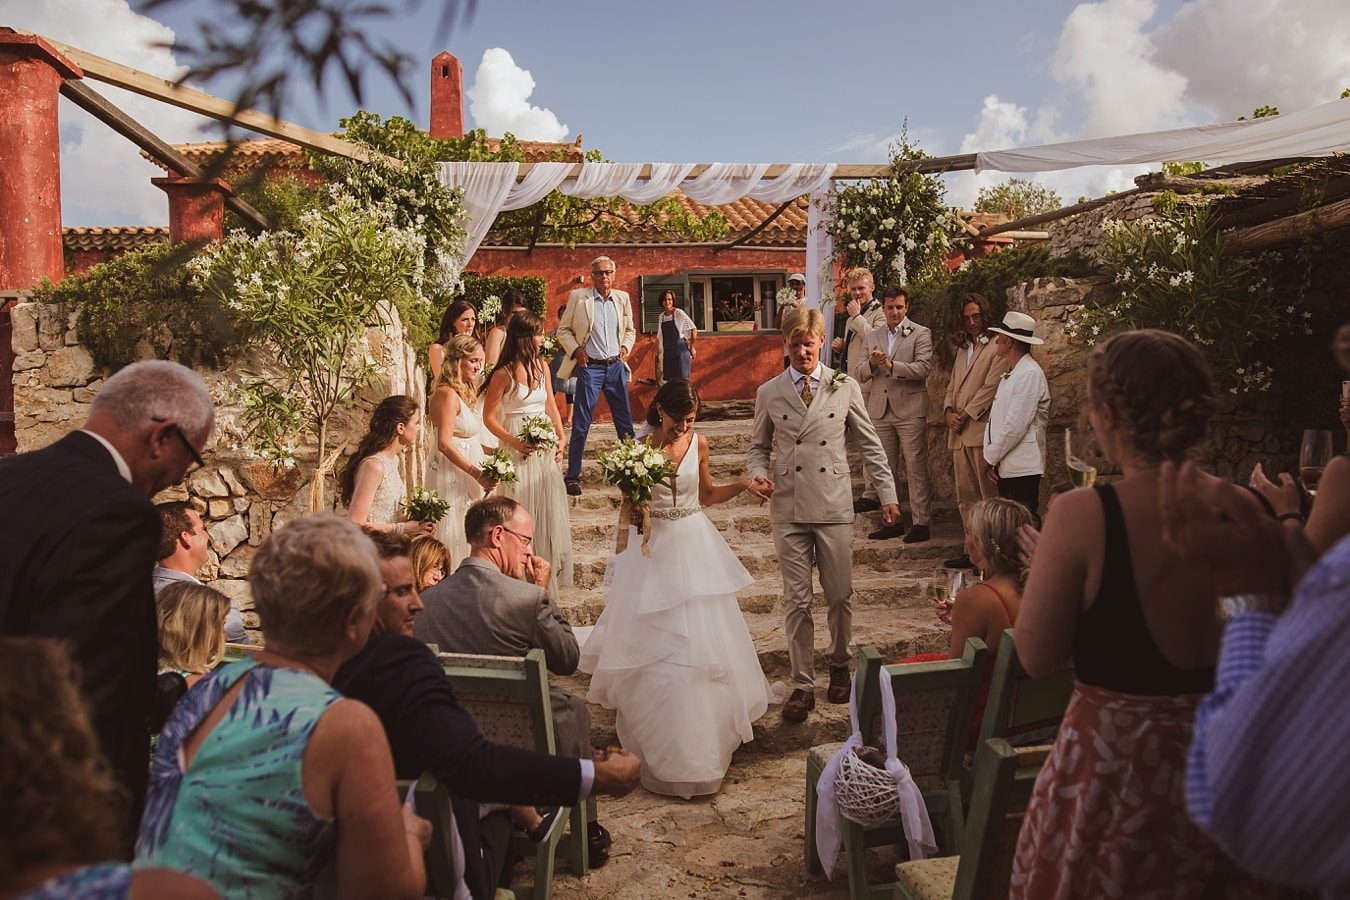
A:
<point x="671" y="652"/>
<point x="520" y="387"/>
<point x="455" y="470"/>
<point x="372" y="487"/>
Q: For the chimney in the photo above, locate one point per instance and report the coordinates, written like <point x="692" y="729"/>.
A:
<point x="447" y="97"/>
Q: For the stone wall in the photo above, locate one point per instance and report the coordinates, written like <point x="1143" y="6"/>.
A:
<point x="1082" y="234"/>
<point x="242" y="498"/>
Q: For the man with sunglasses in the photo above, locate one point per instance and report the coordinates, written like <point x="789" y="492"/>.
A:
<point x="496" y="603"/>
<point x="80" y="539"/>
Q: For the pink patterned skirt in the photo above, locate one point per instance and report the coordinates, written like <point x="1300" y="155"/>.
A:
<point x="1107" y="817"/>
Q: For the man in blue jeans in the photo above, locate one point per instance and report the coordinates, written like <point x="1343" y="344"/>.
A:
<point x="597" y="334"/>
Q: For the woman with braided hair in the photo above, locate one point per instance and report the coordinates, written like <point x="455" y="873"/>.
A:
<point x="1107" y="817"/>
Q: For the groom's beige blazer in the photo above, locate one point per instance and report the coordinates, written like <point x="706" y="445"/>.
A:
<point x="574" y="328"/>
<point x="810" y="472"/>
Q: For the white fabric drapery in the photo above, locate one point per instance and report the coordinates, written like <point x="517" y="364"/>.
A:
<point x="819" y="268"/>
<point x="1319" y="131"/>
<point x="918" y="827"/>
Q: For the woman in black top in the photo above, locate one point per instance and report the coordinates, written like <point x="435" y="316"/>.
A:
<point x="1107" y="817"/>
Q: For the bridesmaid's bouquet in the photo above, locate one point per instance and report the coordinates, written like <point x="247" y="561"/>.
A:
<point x="426" y="506"/>
<point x="537" y="431"/>
<point x="499" y="468"/>
<point x="635" y="468"/>
<point x="549" y="348"/>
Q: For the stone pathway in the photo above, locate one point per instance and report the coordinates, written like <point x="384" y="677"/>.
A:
<point x="746" y="841"/>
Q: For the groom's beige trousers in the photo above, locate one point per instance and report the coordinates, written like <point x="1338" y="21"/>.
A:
<point x="800" y="548"/>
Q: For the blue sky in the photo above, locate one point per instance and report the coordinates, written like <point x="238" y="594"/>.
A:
<point x="752" y="80"/>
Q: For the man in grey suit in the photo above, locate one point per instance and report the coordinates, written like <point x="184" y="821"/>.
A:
<point x="893" y="370"/>
<point x="495" y="604"/>
<point x="802" y="417"/>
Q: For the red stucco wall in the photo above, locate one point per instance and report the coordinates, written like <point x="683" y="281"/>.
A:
<point x="725" y="367"/>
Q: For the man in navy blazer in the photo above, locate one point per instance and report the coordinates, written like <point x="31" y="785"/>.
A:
<point x="80" y="537"/>
<point x="399" y="677"/>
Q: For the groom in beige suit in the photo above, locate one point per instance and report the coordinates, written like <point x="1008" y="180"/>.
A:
<point x="802" y="417"/>
<point x="892" y="367"/>
<point x="975" y="374"/>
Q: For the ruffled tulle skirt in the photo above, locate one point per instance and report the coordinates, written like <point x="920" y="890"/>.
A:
<point x="671" y="653"/>
<point x="539" y="488"/>
<point x="461" y="491"/>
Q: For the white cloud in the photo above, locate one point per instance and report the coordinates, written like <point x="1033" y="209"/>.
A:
<point x="1241" y="54"/>
<point x="1002" y="124"/>
<point x="104" y="179"/>
<point x="499" y="100"/>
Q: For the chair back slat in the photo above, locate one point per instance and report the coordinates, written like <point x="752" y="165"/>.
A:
<point x="506" y="695"/>
<point x="1004" y="779"/>
<point x="1022" y="709"/>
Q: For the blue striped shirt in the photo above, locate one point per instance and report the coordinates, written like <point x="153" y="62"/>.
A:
<point x="604" y="340"/>
<point x="1268" y="777"/>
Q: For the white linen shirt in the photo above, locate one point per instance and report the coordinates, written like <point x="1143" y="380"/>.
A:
<point x="1014" y="442"/>
<point x="604" y="340"/>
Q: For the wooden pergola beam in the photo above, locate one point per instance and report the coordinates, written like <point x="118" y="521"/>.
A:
<point x="1267" y="234"/>
<point x="98" y="106"/>
<point x="845" y="172"/>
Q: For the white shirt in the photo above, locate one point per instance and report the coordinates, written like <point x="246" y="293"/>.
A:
<point x="1014" y="442"/>
<point x="122" y="468"/>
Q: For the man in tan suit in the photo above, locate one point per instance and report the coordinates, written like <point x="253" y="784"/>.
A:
<point x="597" y="334"/>
<point x="802" y="417"/>
<point x="975" y="374"/>
<point x="862" y="313"/>
<point x="893" y="369"/>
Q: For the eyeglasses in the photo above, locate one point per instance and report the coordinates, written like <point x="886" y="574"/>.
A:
<point x="607" y="273"/>
<point x="525" y="539"/>
<point x="197" y="461"/>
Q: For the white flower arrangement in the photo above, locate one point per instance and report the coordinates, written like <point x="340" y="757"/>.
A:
<point x="785" y="296"/>
<point x="906" y="330"/>
<point x="550" y="347"/>
<point x="499" y="468"/>
<point x="491" y="308"/>
<point x="538" y="432"/>
<point x="635" y="468"/>
<point x="426" y="506"/>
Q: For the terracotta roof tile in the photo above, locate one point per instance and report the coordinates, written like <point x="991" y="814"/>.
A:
<point x="121" y="237"/>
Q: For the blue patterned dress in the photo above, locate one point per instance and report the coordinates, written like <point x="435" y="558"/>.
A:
<point x="238" y="816"/>
<point x="105" y="881"/>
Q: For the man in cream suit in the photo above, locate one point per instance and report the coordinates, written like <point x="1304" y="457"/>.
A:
<point x="597" y="334"/>
<point x="862" y="313"/>
<point x="975" y="375"/>
<point x="892" y="367"/>
<point x="802" y="417"/>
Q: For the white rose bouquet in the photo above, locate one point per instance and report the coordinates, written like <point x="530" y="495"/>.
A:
<point x="491" y="308"/>
<point x="426" y="506"/>
<point x="537" y="431"/>
<point x="549" y="348"/>
<point x="499" y="468"/>
<point x="635" y="468"/>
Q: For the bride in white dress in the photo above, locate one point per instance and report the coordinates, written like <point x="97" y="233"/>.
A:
<point x="521" y="387"/>
<point x="671" y="652"/>
<point x="455" y="470"/>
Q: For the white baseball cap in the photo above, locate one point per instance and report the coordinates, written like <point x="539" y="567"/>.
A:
<point x="797" y="276"/>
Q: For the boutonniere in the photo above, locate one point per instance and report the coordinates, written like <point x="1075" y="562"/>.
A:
<point x="906" y="330"/>
<point x="840" y="379"/>
<point x="983" y="339"/>
<point x="1005" y="376"/>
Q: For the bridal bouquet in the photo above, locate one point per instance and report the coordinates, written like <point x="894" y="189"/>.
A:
<point x="499" y="468"/>
<point x="635" y="468"/>
<point x="537" y="431"/>
<point x="426" y="506"/>
<point x="550" y="347"/>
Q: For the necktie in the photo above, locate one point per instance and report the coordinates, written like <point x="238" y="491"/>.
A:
<point x="806" y="390"/>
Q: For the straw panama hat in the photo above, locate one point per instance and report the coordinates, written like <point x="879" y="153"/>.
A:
<point x="1019" y="327"/>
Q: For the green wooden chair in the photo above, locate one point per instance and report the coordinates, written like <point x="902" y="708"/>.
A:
<point x="934" y="710"/>
<point x="508" y="698"/>
<point x="1004" y="778"/>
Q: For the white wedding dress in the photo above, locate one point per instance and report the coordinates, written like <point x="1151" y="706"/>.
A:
<point x="539" y="486"/>
<point x="454" y="484"/>
<point x="671" y="652"/>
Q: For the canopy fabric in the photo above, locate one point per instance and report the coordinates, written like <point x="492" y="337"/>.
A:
<point x="1319" y="131"/>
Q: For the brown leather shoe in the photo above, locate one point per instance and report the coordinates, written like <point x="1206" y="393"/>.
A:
<point x="799" y="705"/>
<point x="840" y="685"/>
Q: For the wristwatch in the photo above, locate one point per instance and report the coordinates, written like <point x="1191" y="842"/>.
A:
<point x="1237" y="604"/>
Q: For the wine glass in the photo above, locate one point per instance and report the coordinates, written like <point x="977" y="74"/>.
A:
<point x="956" y="579"/>
<point x="1313" y="456"/>
<point x="1079" y="457"/>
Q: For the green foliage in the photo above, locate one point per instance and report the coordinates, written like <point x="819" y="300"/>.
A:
<point x="935" y="300"/>
<point x="305" y="298"/>
<point x="478" y="288"/>
<point x="1018" y="197"/>
<point x="281" y="198"/>
<point x="898" y="226"/>
<point x="1183" y="168"/>
<point x="1173" y="274"/>
<point x="144" y="293"/>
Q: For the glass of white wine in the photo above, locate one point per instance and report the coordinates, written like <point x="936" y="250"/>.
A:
<point x="1313" y="456"/>
<point x="1079" y="458"/>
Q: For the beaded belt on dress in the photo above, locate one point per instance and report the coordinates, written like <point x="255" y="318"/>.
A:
<point x="675" y="512"/>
